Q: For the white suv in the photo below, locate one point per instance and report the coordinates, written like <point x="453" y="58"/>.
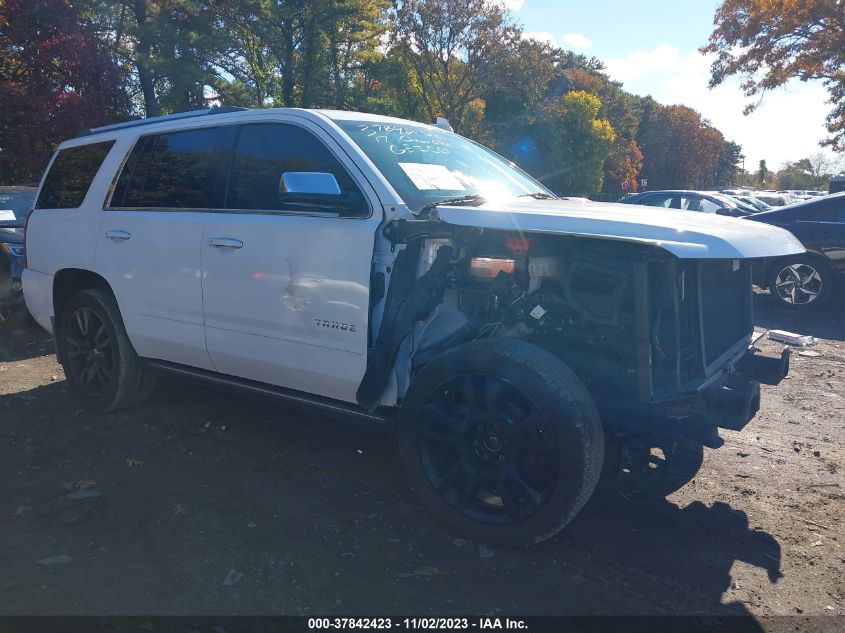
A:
<point x="396" y="271"/>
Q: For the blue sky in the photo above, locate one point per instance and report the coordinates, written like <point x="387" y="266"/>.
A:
<point x="651" y="46"/>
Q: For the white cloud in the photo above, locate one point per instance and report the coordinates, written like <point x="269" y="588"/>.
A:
<point x="512" y="5"/>
<point x="787" y="125"/>
<point x="573" y="41"/>
<point x="576" y="41"/>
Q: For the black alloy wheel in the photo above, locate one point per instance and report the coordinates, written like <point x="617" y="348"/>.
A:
<point x="102" y="368"/>
<point x="487" y="449"/>
<point x="89" y="352"/>
<point x="501" y="441"/>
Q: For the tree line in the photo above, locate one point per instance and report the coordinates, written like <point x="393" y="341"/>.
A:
<point x="70" y="64"/>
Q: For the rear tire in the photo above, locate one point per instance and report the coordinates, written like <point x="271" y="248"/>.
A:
<point x="102" y="368"/>
<point x="501" y="441"/>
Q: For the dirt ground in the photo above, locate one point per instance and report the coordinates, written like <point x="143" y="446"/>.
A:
<point x="161" y="509"/>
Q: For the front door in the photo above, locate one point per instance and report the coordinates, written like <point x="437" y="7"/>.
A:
<point x="286" y="286"/>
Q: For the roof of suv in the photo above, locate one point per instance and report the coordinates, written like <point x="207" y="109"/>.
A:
<point x="234" y="110"/>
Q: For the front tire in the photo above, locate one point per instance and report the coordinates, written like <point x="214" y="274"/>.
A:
<point x="801" y="282"/>
<point x="501" y="441"/>
<point x="102" y="368"/>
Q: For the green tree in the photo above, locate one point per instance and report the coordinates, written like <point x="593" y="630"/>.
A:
<point x="763" y="172"/>
<point x="166" y="46"/>
<point x="728" y="164"/>
<point x="453" y="49"/>
<point x="573" y="143"/>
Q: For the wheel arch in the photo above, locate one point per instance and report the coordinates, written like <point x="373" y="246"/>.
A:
<point x="68" y="281"/>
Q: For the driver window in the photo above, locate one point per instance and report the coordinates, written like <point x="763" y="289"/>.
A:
<point x="265" y="152"/>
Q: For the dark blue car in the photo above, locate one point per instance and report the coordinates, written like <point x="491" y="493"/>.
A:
<point x="15" y="204"/>
<point x="812" y="279"/>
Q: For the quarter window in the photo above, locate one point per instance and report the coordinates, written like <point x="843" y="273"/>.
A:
<point x="265" y="151"/>
<point x="178" y="170"/>
<point x="70" y="176"/>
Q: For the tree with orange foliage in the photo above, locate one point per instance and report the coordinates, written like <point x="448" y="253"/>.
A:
<point x="769" y="42"/>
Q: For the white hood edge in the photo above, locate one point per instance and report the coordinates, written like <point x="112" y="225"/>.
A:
<point x="685" y="234"/>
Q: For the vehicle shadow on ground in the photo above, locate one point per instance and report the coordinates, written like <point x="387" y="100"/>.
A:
<point x="22" y="339"/>
<point x="828" y="323"/>
<point x="317" y="516"/>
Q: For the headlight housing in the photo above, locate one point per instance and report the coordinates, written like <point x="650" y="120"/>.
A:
<point x="16" y="250"/>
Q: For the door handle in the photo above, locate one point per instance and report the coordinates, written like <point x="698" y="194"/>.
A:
<point x="118" y="236"/>
<point x="225" y="242"/>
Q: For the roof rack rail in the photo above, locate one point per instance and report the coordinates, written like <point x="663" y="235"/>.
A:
<point x="160" y="119"/>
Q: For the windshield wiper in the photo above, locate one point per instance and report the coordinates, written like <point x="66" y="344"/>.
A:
<point x="475" y="198"/>
<point x="538" y="195"/>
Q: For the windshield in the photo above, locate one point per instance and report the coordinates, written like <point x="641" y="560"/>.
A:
<point x="427" y="165"/>
<point x="14" y="206"/>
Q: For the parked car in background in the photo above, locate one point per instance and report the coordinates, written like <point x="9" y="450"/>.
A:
<point x="702" y="201"/>
<point x="400" y="273"/>
<point x="754" y="202"/>
<point x="837" y="184"/>
<point x="15" y="203"/>
<point x="812" y="279"/>
<point x="775" y="199"/>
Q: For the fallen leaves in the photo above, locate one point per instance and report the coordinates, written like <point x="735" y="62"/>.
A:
<point x="133" y="463"/>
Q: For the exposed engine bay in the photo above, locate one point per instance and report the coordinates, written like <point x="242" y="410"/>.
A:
<point x="637" y="325"/>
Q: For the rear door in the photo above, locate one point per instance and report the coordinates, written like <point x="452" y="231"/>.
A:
<point x="151" y="235"/>
<point x="285" y="284"/>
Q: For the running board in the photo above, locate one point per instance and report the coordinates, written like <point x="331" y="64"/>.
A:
<point x="242" y="385"/>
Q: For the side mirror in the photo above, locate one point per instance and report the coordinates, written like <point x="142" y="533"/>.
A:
<point x="309" y="182"/>
<point x="726" y="211"/>
<point x="319" y="191"/>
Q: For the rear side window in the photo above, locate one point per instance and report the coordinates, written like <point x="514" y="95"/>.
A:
<point x="178" y="170"/>
<point x="71" y="175"/>
<point x="267" y="150"/>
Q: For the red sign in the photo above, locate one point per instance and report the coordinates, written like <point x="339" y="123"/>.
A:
<point x="625" y="185"/>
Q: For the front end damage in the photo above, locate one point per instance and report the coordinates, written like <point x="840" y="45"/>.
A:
<point x="662" y="343"/>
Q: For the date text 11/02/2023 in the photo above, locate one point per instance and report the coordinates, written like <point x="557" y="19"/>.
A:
<point x="423" y="623"/>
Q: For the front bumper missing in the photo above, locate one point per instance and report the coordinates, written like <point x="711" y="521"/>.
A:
<point x="730" y="402"/>
<point x="737" y="401"/>
<point x="734" y="403"/>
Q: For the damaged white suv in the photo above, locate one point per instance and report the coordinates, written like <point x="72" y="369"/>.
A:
<point x="394" y="270"/>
